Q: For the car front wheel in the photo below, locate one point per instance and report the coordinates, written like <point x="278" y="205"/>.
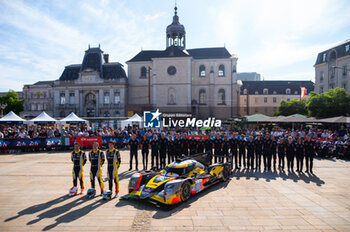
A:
<point x="185" y="192"/>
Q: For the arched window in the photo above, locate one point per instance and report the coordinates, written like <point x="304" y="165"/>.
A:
<point x="221" y="97"/>
<point x="143" y="72"/>
<point x="202" y="97"/>
<point x="202" y="71"/>
<point x="288" y="91"/>
<point x="221" y="71"/>
<point x="171" y="96"/>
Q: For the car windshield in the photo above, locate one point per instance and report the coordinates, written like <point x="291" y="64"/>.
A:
<point x="179" y="171"/>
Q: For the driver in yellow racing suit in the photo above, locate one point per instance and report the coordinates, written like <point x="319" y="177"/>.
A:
<point x="96" y="158"/>
<point x="113" y="159"/>
<point x="78" y="158"/>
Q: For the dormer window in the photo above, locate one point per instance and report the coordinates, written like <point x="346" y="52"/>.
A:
<point x="274" y="92"/>
<point x="245" y="91"/>
<point x="256" y="92"/>
<point x="324" y="57"/>
<point x="266" y="91"/>
<point x="288" y="91"/>
<point x="296" y="92"/>
<point x="347" y="48"/>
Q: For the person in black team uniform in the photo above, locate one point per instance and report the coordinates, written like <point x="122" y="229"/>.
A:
<point x="234" y="147"/>
<point x="267" y="153"/>
<point x="217" y="147"/>
<point x="225" y="149"/>
<point x="250" y="152"/>
<point x="78" y="158"/>
<point x="290" y="151"/>
<point x="259" y="144"/>
<point x="273" y="151"/>
<point x="171" y="149"/>
<point x="184" y="141"/>
<point x="163" y="142"/>
<point x="200" y="144"/>
<point x="281" y="153"/>
<point x="97" y="159"/>
<point x="178" y="146"/>
<point x="113" y="160"/>
<point x="242" y="144"/>
<point x="310" y="147"/>
<point x="133" y="146"/>
<point x="154" y="151"/>
<point x="144" y="150"/>
<point x="209" y="145"/>
<point x="192" y="143"/>
<point x="300" y="154"/>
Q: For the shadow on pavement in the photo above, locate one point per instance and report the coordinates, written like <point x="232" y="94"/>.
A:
<point x="54" y="212"/>
<point x="76" y="214"/>
<point x="165" y="211"/>
<point x="273" y="175"/>
<point x="39" y="207"/>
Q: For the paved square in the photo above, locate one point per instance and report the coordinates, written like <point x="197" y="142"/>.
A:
<point x="34" y="187"/>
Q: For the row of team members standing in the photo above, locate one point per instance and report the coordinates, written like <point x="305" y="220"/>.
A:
<point x="97" y="159"/>
<point x="245" y="153"/>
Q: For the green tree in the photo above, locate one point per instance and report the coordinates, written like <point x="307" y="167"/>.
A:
<point x="294" y="106"/>
<point x="12" y="101"/>
<point x="335" y="102"/>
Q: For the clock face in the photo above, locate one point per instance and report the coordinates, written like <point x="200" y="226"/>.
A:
<point x="171" y="70"/>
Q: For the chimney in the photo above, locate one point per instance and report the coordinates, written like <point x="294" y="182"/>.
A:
<point x="106" y="57"/>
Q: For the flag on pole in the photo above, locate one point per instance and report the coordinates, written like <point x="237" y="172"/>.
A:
<point x="302" y="94"/>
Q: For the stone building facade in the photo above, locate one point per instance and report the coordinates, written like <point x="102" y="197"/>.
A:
<point x="332" y="68"/>
<point x="201" y="81"/>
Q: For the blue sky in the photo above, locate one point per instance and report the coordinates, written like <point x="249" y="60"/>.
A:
<point x="278" y="39"/>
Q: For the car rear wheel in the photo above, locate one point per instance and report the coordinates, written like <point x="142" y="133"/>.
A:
<point x="185" y="192"/>
<point x="225" y="174"/>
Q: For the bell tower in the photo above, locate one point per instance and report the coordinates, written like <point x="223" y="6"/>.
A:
<point x="175" y="33"/>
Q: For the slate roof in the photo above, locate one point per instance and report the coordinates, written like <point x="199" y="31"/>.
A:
<point x="340" y="51"/>
<point x="93" y="59"/>
<point x="171" y="51"/>
<point x="278" y="86"/>
<point x="44" y="83"/>
<point x="209" y="53"/>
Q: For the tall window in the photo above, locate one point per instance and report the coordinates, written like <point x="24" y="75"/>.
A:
<point x="117" y="97"/>
<point x="332" y="73"/>
<point x="106" y="114"/>
<point x="288" y="91"/>
<point x="143" y="72"/>
<point x="202" y="97"/>
<point x="221" y="97"/>
<point x="171" y="96"/>
<point x="345" y="69"/>
<point x="106" y="98"/>
<point x="324" y="57"/>
<point x="322" y="76"/>
<point x="71" y="98"/>
<point x="347" y="48"/>
<point x="202" y="71"/>
<point x="274" y="100"/>
<point x="321" y="89"/>
<point x="62" y="98"/>
<point x="265" y="99"/>
<point x="221" y="71"/>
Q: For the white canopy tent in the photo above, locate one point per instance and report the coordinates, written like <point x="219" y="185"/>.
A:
<point x="42" y="118"/>
<point x="11" y="118"/>
<point x="135" y="119"/>
<point x="72" y="118"/>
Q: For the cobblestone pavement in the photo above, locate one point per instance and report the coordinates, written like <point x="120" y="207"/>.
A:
<point x="34" y="187"/>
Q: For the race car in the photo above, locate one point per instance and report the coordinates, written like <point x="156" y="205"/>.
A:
<point x="177" y="181"/>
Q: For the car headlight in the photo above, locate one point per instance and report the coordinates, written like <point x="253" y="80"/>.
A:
<point x="135" y="181"/>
